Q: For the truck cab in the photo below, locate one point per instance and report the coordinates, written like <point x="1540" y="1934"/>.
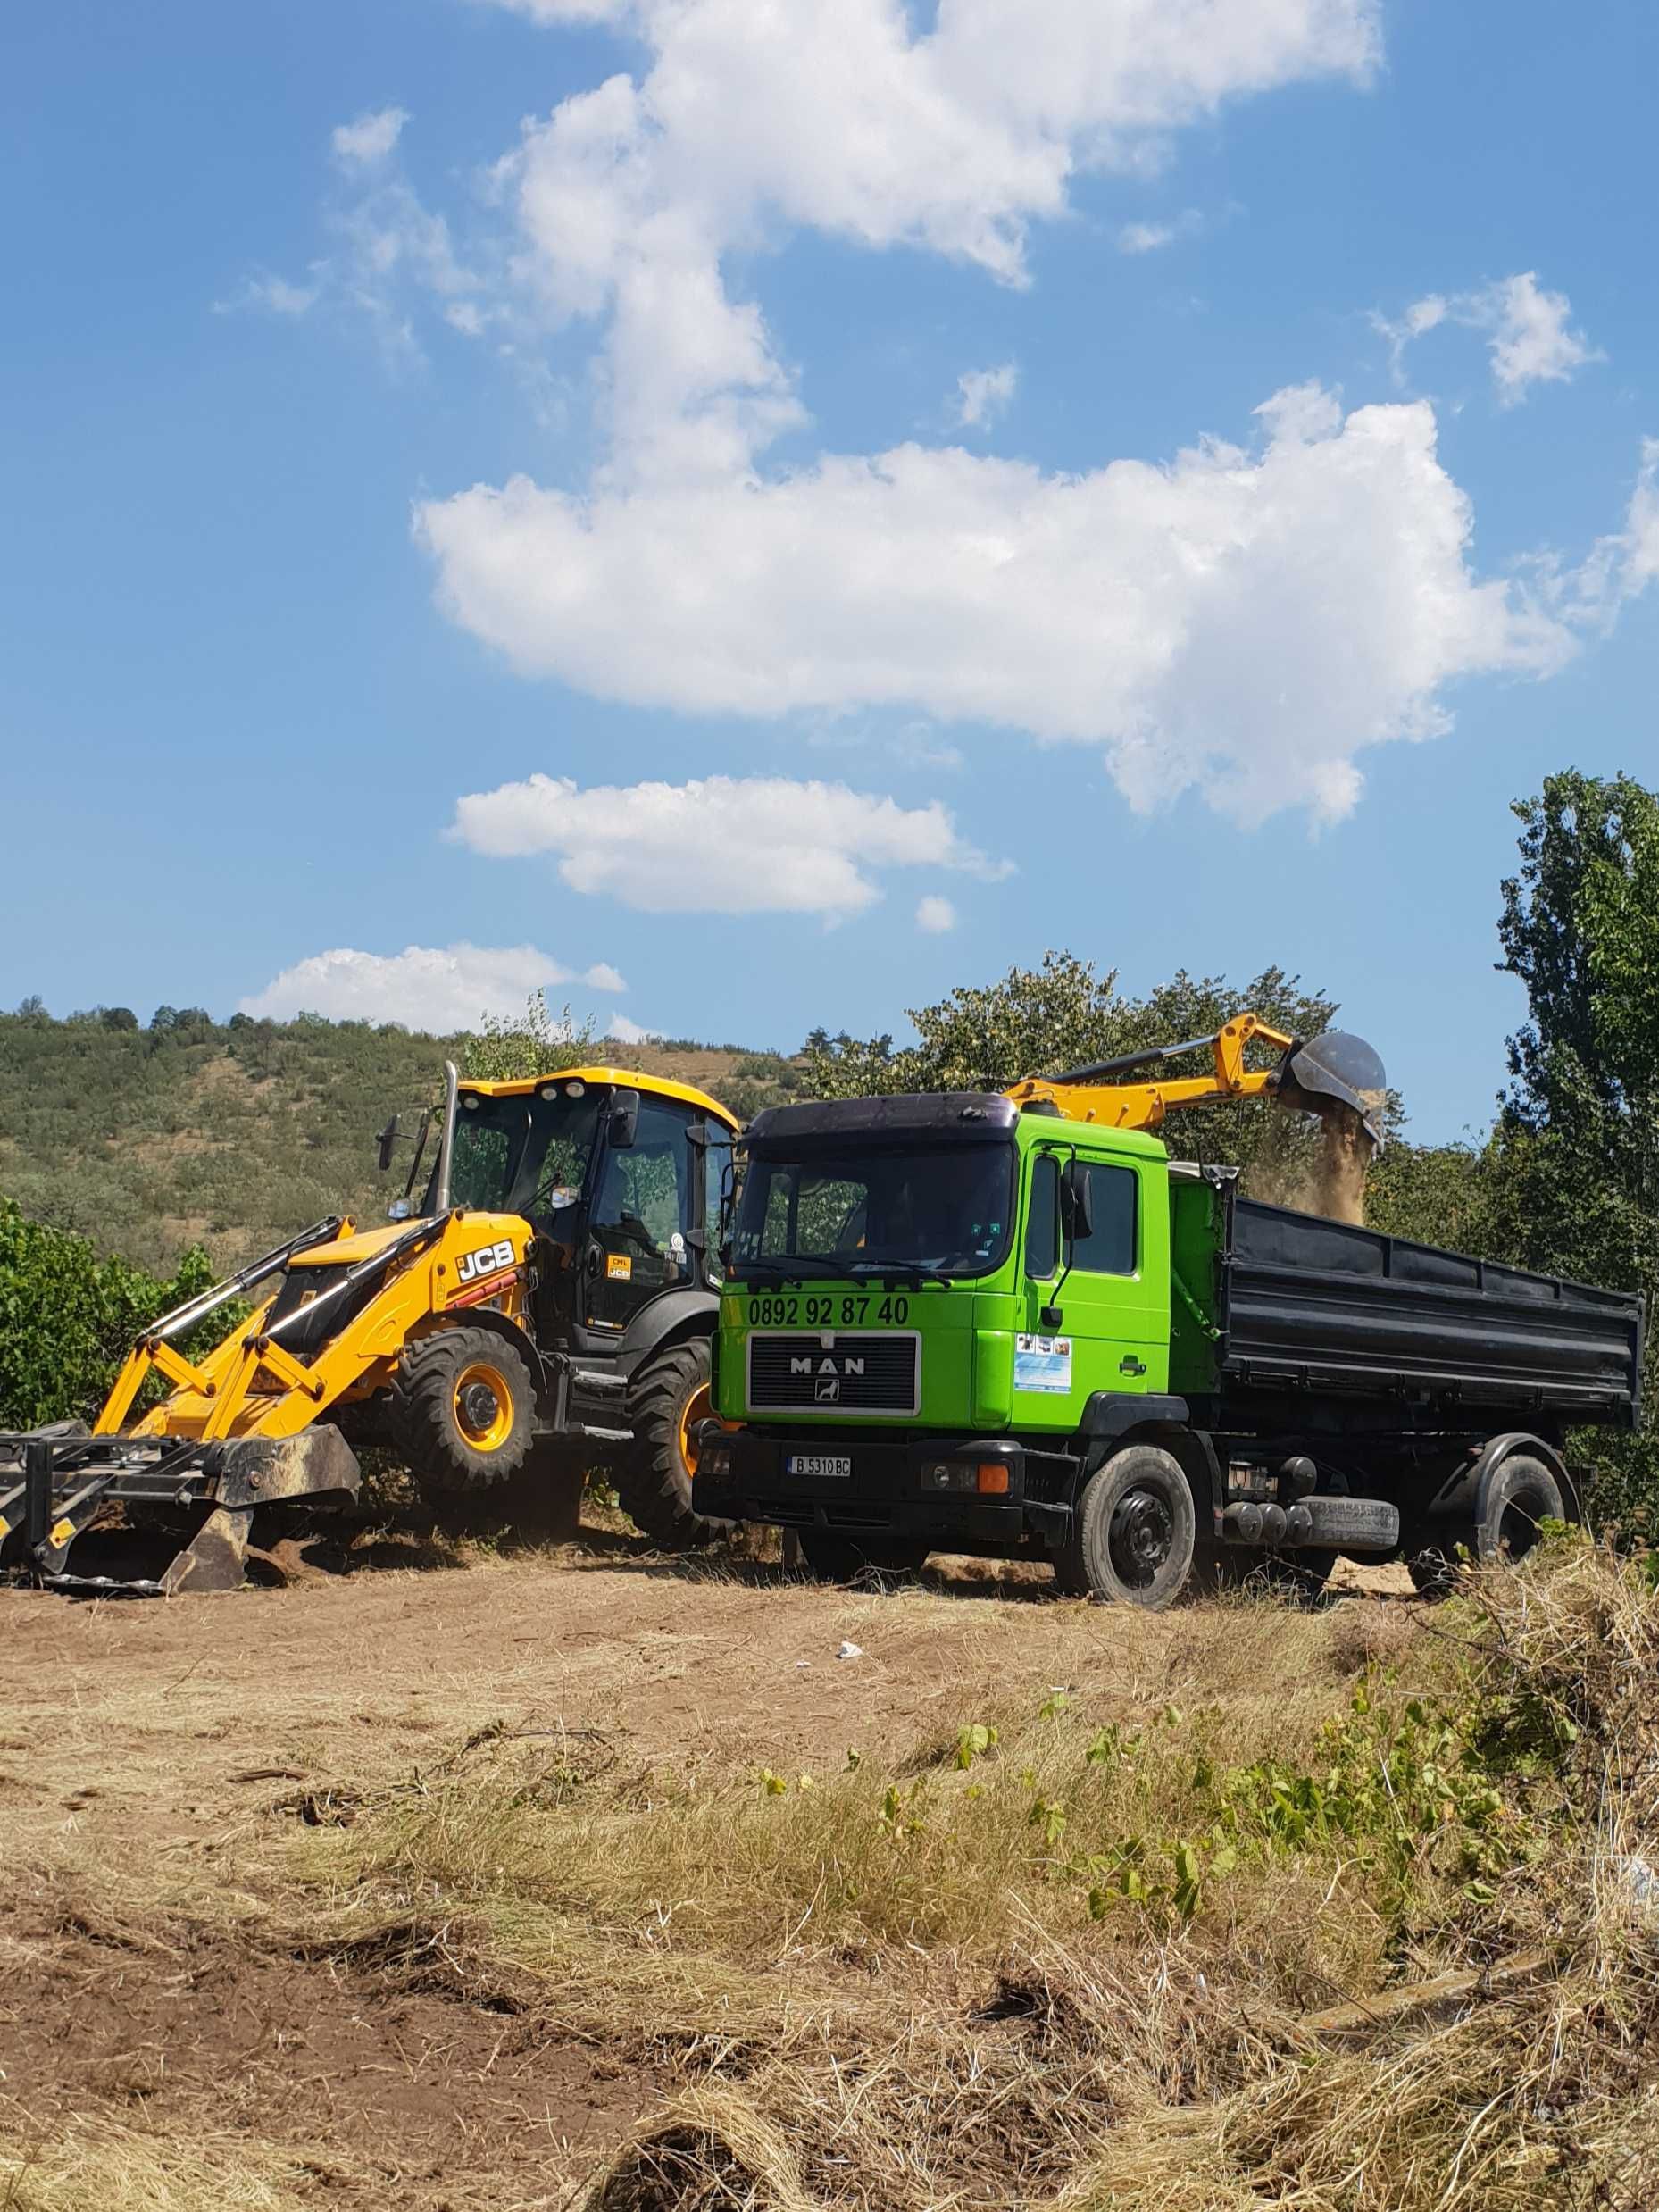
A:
<point x="929" y="1299"/>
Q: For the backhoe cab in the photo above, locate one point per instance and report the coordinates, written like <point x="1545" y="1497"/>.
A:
<point x="547" y="1302"/>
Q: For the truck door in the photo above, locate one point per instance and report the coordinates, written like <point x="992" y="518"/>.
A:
<point x="648" y="1204"/>
<point x="1111" y="1305"/>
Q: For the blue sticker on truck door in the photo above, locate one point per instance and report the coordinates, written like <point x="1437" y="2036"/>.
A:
<point x="1043" y="1364"/>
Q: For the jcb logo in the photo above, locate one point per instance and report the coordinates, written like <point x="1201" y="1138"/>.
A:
<point x="489" y="1259"/>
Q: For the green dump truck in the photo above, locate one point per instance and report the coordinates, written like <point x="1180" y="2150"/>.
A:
<point x="949" y="1324"/>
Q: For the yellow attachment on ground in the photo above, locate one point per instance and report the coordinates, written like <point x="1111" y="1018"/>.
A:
<point x="1144" y="1104"/>
<point x="625" y="1078"/>
<point x="252" y="1385"/>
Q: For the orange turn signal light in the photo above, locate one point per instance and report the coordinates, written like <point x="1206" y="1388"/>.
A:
<point x="993" y="1478"/>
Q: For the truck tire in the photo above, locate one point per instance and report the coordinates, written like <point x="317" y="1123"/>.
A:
<point x="1134" y="1532"/>
<point x="463" y="1410"/>
<point x="831" y="1556"/>
<point x="1514" y="1499"/>
<point x="669" y="1394"/>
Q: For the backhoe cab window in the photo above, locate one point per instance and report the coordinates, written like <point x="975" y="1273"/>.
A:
<point x="523" y="1155"/>
<point x="946" y="1209"/>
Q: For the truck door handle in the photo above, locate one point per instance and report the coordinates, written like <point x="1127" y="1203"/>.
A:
<point x="1129" y="1366"/>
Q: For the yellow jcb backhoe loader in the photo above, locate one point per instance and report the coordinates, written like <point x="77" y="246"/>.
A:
<point x="548" y="1302"/>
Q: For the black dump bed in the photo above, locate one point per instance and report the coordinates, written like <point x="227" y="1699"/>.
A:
<point x="1309" y="1304"/>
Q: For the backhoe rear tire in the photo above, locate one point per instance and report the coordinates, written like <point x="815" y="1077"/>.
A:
<point x="669" y="1394"/>
<point x="463" y="1411"/>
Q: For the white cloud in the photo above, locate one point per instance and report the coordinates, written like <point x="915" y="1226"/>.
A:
<point x="1243" y="620"/>
<point x="274" y="295"/>
<point x="721" y="844"/>
<point x="1531" y="342"/>
<point x="1528" y="333"/>
<point x="935" y="915"/>
<point x="390" y="253"/>
<point x="361" y="144"/>
<point x="550" y="12"/>
<point x="984" y="394"/>
<point x="1147" y="237"/>
<point x="849" y="121"/>
<point x="622" y="1032"/>
<point x="440" y="989"/>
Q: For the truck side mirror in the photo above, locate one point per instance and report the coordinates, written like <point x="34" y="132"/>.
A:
<point x="386" y="1141"/>
<point x="1076" y="1200"/>
<point x="624" y="1120"/>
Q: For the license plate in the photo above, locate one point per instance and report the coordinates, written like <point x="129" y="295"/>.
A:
<point x="820" y="1464"/>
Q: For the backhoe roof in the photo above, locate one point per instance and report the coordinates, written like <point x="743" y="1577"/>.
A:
<point x="659" y="1086"/>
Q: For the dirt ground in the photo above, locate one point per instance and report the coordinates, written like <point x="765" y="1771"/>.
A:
<point x="178" y="1743"/>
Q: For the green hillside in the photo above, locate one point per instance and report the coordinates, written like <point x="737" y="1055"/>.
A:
<point x="147" y="1140"/>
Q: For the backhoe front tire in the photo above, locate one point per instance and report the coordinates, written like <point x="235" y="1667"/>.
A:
<point x="670" y="1396"/>
<point x="462" y="1412"/>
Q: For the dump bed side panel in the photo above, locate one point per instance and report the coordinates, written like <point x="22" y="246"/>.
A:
<point x="1312" y="1303"/>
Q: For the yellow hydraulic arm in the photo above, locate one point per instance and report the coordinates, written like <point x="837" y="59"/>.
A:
<point x="1333" y="1065"/>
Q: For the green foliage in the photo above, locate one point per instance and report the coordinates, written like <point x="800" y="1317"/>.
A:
<point x="1573" y="1175"/>
<point x="69" y="1318"/>
<point x="536" y="1042"/>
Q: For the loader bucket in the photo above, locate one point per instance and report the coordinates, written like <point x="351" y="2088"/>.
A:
<point x="57" y="1483"/>
<point x="1339" y="1066"/>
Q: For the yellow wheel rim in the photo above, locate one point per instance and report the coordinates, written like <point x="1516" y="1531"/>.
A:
<point x="697" y="1408"/>
<point x="485" y="1432"/>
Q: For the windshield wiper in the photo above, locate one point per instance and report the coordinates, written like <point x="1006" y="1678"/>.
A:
<point x="796" y="1268"/>
<point x="898" y="1270"/>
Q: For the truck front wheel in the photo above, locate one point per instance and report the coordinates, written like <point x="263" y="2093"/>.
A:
<point x="1133" y="1533"/>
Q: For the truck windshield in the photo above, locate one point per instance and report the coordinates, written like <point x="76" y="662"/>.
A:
<point x="523" y="1155"/>
<point x="944" y="1209"/>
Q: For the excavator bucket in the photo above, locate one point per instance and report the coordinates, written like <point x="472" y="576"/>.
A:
<point x="1336" y="1066"/>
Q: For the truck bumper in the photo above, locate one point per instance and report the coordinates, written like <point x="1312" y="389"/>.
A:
<point x="886" y="1490"/>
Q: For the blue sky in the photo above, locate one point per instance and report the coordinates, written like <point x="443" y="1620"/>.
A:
<point x="787" y="507"/>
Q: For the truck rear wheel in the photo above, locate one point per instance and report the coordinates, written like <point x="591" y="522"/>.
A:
<point x="1133" y="1534"/>
<point x="670" y="1396"/>
<point x="1514" y="1504"/>
<point x="463" y="1410"/>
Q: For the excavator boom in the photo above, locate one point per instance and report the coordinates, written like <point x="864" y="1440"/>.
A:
<point x="1332" y="1066"/>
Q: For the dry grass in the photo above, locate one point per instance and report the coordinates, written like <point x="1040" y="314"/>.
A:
<point x="957" y="1972"/>
<point x="915" y="1983"/>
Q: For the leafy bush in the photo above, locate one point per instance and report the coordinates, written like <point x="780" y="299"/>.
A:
<point x="68" y="1318"/>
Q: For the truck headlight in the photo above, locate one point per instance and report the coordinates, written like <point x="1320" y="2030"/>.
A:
<point x="988" y="1477"/>
<point x="715" y="1459"/>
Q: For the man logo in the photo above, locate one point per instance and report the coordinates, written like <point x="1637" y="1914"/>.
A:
<point x="827" y="1391"/>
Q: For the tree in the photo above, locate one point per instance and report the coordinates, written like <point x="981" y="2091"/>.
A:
<point x="1575" y="1163"/>
<point x="535" y="1043"/>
